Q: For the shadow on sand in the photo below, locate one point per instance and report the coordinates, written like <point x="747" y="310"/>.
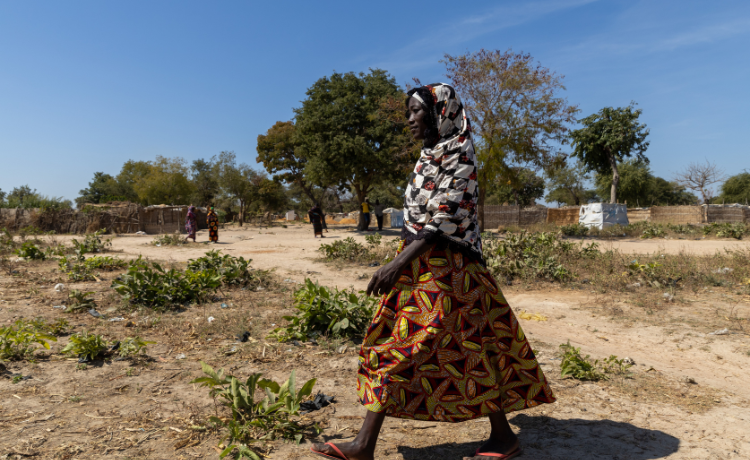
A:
<point x="545" y="438"/>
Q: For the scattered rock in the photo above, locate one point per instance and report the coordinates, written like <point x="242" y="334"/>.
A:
<point x="59" y="287"/>
<point x="633" y="286"/>
<point x="211" y="319"/>
<point x="668" y="297"/>
<point x="724" y="331"/>
<point x="690" y="381"/>
<point x="341" y="350"/>
<point x="180" y="356"/>
<point x="627" y="360"/>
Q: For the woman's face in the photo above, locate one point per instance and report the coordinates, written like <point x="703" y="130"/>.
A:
<point x="416" y="116"/>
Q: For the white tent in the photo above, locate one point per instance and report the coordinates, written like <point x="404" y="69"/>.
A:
<point x="601" y="215"/>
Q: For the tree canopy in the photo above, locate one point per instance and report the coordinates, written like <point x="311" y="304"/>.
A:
<point x="736" y="189"/>
<point x="607" y="138"/>
<point x="342" y="136"/>
<point x="527" y="188"/>
<point x="567" y="185"/>
<point x="639" y="187"/>
<point x="245" y="186"/>
<point x="515" y="108"/>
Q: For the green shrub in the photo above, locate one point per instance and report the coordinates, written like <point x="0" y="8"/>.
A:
<point x="58" y="327"/>
<point x="80" y="300"/>
<point x="653" y="231"/>
<point x="169" y="240"/>
<point x="529" y="256"/>
<point x="574" y="230"/>
<point x="151" y="285"/>
<point x="327" y="311"/>
<point x="18" y="341"/>
<point x="726" y="230"/>
<point x="683" y="229"/>
<point x="92" y="243"/>
<point x="374" y="240"/>
<point x="580" y="367"/>
<point x="29" y="250"/>
<point x="85" y="346"/>
<point x="233" y="270"/>
<point x="346" y="249"/>
<point x="105" y="263"/>
<point x="75" y="270"/>
<point x="133" y="346"/>
<point x="252" y="419"/>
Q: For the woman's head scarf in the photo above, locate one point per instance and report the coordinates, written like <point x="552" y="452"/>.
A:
<point x="442" y="193"/>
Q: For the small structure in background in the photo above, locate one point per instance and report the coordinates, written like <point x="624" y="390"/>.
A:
<point x="394" y="217"/>
<point x="291" y="215"/>
<point x="602" y="215"/>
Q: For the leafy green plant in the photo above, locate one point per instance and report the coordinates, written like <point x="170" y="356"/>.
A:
<point x="92" y="243"/>
<point x="58" y="327"/>
<point x="374" y="240"/>
<point x="153" y="286"/>
<point x="326" y="311"/>
<point x="577" y="366"/>
<point x="682" y="229"/>
<point x="19" y="340"/>
<point x="80" y="300"/>
<point x="133" y="346"/>
<point x="653" y="231"/>
<point x="106" y="263"/>
<point x="346" y="249"/>
<point x="75" y="271"/>
<point x="169" y="240"/>
<point x="574" y="230"/>
<point x="252" y="419"/>
<point x="85" y="346"/>
<point x="29" y="250"/>
<point x="232" y="270"/>
<point x="529" y="255"/>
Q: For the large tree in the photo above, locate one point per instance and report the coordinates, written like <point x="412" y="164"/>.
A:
<point x="639" y="187"/>
<point x="736" y="189"/>
<point x="607" y="138"/>
<point x="204" y="175"/>
<point x="700" y="177"/>
<point x="166" y="182"/>
<point x="104" y="188"/>
<point x="567" y="184"/>
<point x="246" y="187"/>
<point x="343" y="137"/>
<point x="278" y="151"/>
<point x="527" y="188"/>
<point x="515" y="108"/>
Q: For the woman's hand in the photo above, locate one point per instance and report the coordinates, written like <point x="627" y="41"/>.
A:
<point x="385" y="278"/>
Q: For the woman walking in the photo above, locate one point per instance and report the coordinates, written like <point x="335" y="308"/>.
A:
<point x="213" y="225"/>
<point x="317" y="220"/>
<point x="191" y="223"/>
<point x="444" y="345"/>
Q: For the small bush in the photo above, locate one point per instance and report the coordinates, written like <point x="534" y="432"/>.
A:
<point x="105" y="263"/>
<point x="29" y="250"/>
<point x="75" y="270"/>
<point x="574" y="230"/>
<point x="19" y="340"/>
<point x="151" y="285"/>
<point x="57" y="328"/>
<point x="326" y="311"/>
<point x="85" y="346"/>
<point x="726" y="230"/>
<point x="346" y="249"/>
<point x="374" y="240"/>
<point x="80" y="300"/>
<point x="253" y="420"/>
<point x="653" y="231"/>
<point x="531" y="256"/>
<point x="133" y="346"/>
<point x="232" y="270"/>
<point x="580" y="367"/>
<point x="91" y="244"/>
<point x="169" y="240"/>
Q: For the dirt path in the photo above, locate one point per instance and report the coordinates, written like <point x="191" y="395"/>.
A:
<point x="688" y="398"/>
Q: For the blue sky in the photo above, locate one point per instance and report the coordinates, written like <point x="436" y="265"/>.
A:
<point x="87" y="85"/>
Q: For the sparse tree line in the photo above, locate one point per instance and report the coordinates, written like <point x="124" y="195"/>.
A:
<point x="349" y="140"/>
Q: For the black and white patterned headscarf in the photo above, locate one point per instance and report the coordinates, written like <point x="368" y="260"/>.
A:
<point x="441" y="197"/>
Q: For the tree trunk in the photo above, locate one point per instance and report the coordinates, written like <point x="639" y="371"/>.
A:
<point x="615" y="179"/>
<point x="242" y="212"/>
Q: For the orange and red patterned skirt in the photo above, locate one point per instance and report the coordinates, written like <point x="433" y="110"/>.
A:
<point x="445" y="346"/>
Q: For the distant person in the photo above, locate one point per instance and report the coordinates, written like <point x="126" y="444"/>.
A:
<point x="191" y="223"/>
<point x="317" y="219"/>
<point x="366" y="214"/>
<point x="213" y="225"/>
<point x="444" y="345"/>
<point x="378" y="208"/>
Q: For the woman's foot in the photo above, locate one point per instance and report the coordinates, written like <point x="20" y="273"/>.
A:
<point x="352" y="450"/>
<point x="496" y="446"/>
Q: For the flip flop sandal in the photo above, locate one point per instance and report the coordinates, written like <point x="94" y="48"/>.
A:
<point x="343" y="457"/>
<point x="513" y="454"/>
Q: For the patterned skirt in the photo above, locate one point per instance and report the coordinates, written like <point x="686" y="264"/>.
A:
<point x="445" y="346"/>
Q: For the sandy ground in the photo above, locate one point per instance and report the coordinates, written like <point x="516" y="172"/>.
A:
<point x="658" y="414"/>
